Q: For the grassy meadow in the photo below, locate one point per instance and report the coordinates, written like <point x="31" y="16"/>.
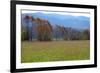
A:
<point x="36" y="51"/>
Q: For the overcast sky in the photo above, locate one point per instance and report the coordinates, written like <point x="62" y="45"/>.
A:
<point x="62" y="13"/>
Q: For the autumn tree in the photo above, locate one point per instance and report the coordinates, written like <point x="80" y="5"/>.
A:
<point x="44" y="30"/>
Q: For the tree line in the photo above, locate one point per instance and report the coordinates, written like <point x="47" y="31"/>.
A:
<point x="41" y="30"/>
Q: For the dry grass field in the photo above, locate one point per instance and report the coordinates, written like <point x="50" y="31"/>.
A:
<point x="54" y="51"/>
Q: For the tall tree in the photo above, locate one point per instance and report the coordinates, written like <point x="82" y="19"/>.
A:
<point x="44" y="30"/>
<point x="28" y="19"/>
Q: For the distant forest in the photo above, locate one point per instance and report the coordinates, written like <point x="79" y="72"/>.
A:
<point x="38" y="29"/>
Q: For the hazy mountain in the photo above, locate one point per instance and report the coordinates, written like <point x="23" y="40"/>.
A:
<point x="78" y="22"/>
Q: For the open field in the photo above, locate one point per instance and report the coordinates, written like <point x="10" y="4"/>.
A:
<point x="54" y="51"/>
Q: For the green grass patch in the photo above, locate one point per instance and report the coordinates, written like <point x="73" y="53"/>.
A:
<point x="54" y="51"/>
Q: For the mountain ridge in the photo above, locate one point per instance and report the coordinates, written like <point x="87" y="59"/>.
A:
<point x="78" y="22"/>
